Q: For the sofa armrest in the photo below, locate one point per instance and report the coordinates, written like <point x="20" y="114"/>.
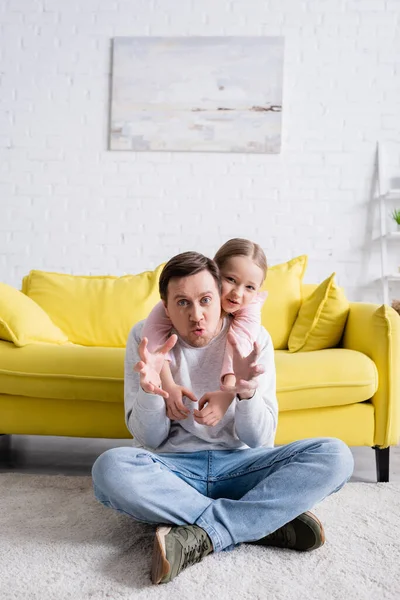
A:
<point x="375" y="331"/>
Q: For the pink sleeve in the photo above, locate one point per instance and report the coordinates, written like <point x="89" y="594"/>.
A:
<point x="157" y="327"/>
<point x="245" y="327"/>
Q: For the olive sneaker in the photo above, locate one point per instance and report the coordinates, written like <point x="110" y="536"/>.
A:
<point x="305" y="532"/>
<point x="176" y="548"/>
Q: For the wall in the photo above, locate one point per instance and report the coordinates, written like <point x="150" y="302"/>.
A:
<point x="68" y="204"/>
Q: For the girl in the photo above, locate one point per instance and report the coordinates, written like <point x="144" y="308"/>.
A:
<point x="243" y="268"/>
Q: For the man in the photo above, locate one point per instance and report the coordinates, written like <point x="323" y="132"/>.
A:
<point x="212" y="487"/>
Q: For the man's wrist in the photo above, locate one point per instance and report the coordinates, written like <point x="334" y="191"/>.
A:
<point x="246" y="395"/>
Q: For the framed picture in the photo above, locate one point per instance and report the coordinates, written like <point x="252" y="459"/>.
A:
<point x="197" y="94"/>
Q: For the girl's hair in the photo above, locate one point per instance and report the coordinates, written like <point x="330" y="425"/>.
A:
<point x="242" y="247"/>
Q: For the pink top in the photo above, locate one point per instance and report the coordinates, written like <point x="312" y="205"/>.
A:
<point x="245" y="326"/>
<point x="157" y="327"/>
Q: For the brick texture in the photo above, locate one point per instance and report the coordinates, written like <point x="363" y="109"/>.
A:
<point x="68" y="204"/>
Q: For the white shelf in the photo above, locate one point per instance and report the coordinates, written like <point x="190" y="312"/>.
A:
<point x="393" y="194"/>
<point x="386" y="195"/>
<point x="392" y="235"/>
<point x="393" y="277"/>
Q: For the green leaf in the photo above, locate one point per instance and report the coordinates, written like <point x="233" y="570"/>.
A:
<point x="396" y="215"/>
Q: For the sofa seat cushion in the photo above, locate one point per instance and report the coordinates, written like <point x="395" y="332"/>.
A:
<point x="62" y="372"/>
<point x="323" y="378"/>
<point x="304" y="380"/>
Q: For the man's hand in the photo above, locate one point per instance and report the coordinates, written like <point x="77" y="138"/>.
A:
<point x="176" y="410"/>
<point x="245" y="370"/>
<point x="217" y="405"/>
<point x="150" y="365"/>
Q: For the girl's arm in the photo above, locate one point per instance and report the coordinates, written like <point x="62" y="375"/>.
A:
<point x="245" y="327"/>
<point x="157" y="327"/>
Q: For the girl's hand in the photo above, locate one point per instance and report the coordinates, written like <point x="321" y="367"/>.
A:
<point x="245" y="369"/>
<point x="176" y="410"/>
<point x="217" y="405"/>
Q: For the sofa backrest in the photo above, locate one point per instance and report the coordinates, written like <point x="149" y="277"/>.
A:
<point x="94" y="310"/>
<point x="101" y="310"/>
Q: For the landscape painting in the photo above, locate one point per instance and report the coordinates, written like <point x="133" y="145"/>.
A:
<point x="197" y="94"/>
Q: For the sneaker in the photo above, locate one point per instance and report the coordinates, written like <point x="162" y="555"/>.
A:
<point x="305" y="532"/>
<point x="176" y="548"/>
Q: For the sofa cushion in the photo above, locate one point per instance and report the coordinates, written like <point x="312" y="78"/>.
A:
<point x="332" y="377"/>
<point x="23" y="322"/>
<point x="94" y="310"/>
<point x="321" y="318"/>
<point x="62" y="372"/>
<point x="305" y="380"/>
<point x="279" y="312"/>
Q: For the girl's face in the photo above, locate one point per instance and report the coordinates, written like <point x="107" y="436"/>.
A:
<point x="241" y="280"/>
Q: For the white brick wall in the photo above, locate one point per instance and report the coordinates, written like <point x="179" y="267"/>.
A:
<point x="68" y="204"/>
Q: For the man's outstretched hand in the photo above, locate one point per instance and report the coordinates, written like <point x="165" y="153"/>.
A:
<point x="245" y="370"/>
<point x="150" y="365"/>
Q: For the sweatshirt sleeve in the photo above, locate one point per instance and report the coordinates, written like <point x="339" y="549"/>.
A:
<point x="157" y="327"/>
<point x="256" y="419"/>
<point x="145" y="414"/>
<point x="245" y="327"/>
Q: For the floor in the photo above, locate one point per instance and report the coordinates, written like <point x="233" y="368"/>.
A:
<point x="75" y="456"/>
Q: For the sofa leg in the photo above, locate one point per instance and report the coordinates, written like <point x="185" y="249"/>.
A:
<point x="382" y="463"/>
<point x="5" y="449"/>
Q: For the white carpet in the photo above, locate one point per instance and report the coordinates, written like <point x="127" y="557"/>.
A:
<point x="57" y="542"/>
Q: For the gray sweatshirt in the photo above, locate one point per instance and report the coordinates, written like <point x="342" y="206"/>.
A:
<point x="247" y="423"/>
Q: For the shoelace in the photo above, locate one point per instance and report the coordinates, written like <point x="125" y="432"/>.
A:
<point x="281" y="536"/>
<point x="194" y="553"/>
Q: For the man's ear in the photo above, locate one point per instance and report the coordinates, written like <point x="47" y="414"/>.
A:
<point x="166" y="309"/>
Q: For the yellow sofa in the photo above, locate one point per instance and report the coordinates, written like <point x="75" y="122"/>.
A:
<point x="73" y="384"/>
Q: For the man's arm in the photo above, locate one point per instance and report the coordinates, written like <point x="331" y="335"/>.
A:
<point x="145" y="414"/>
<point x="256" y="418"/>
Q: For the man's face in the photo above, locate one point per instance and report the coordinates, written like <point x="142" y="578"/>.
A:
<point x="194" y="307"/>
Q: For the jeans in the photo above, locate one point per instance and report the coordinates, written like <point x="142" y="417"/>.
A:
<point x="234" y="495"/>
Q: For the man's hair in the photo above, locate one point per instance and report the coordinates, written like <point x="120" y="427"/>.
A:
<point x="184" y="265"/>
<point x="242" y="247"/>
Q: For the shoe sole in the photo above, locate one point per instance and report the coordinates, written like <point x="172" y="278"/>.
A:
<point x="313" y="518"/>
<point x="160" y="567"/>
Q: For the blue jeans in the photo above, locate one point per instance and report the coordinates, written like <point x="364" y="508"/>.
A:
<point x="235" y="495"/>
